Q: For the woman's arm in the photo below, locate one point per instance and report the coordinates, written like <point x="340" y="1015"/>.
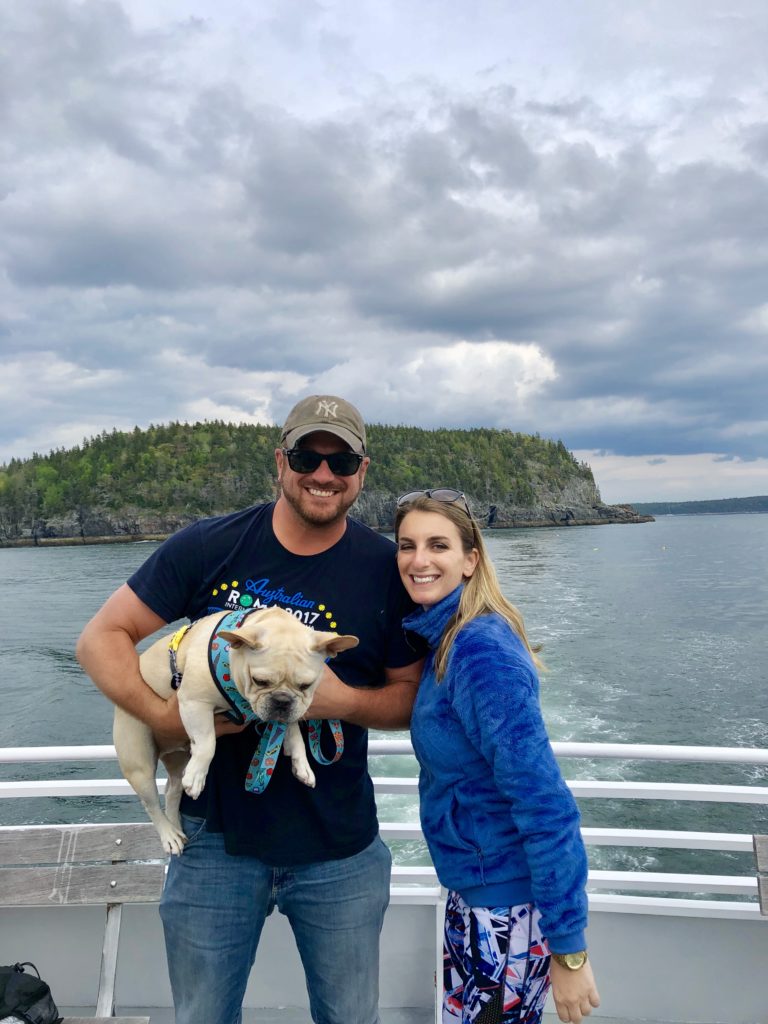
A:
<point x="495" y="693"/>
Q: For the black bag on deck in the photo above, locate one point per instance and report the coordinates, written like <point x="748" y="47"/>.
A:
<point x="26" y="997"/>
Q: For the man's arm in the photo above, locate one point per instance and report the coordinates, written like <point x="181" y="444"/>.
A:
<point x="107" y="651"/>
<point x="386" y="707"/>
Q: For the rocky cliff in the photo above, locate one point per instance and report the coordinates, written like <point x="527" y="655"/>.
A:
<point x="578" y="503"/>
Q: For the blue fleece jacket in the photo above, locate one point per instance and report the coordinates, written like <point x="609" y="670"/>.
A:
<point x="499" y="820"/>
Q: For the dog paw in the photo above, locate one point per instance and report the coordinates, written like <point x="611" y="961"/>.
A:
<point x="175" y="845"/>
<point x="173" y="840"/>
<point x="193" y="782"/>
<point x="304" y="774"/>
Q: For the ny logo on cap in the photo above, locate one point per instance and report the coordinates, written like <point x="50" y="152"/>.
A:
<point x="327" y="408"/>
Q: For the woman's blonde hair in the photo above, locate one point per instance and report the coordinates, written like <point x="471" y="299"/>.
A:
<point x="481" y="592"/>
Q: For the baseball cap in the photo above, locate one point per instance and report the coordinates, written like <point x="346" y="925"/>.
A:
<point x="325" y="412"/>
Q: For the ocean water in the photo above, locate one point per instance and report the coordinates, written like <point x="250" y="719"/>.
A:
<point x="651" y="633"/>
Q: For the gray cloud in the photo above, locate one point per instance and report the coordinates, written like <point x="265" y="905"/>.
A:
<point x="607" y="239"/>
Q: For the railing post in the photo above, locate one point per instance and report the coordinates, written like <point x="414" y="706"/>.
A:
<point x="760" y="844"/>
<point x="439" y="964"/>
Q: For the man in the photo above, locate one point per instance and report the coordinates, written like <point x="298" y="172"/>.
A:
<point x="314" y="853"/>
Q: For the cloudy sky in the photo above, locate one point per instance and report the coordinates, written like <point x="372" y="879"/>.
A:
<point x="536" y="214"/>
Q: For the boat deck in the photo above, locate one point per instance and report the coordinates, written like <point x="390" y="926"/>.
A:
<point x="292" y="1015"/>
<point x="653" y="933"/>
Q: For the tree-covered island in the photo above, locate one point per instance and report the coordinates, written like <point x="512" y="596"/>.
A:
<point x="149" y="483"/>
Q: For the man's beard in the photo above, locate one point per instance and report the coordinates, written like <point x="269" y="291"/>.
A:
<point x="334" y="513"/>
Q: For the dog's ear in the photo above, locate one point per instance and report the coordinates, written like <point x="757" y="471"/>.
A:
<point x="238" y="640"/>
<point x="334" y="644"/>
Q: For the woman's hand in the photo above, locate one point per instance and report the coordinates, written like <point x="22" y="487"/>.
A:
<point x="574" y="992"/>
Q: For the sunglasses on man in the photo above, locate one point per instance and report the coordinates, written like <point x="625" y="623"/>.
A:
<point x="305" y="460"/>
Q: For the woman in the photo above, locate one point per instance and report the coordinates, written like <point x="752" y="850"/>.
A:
<point x="500" y="823"/>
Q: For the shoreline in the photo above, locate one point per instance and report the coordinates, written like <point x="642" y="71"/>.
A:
<point x="69" y="542"/>
<point x="151" y="538"/>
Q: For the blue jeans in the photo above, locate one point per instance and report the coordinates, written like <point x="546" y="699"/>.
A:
<point x="213" y="909"/>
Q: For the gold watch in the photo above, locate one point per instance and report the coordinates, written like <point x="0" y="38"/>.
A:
<point x="573" y="961"/>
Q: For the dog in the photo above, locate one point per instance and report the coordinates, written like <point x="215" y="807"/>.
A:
<point x="275" y="664"/>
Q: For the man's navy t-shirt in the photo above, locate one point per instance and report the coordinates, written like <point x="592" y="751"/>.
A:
<point x="235" y="562"/>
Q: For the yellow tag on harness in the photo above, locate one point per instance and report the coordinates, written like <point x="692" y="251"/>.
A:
<point x="177" y="637"/>
<point x="173" y="647"/>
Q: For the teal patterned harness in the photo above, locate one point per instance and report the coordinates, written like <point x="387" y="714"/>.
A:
<point x="272" y="733"/>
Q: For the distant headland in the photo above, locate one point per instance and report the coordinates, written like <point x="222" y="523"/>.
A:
<point x="716" y="506"/>
<point x="146" y="484"/>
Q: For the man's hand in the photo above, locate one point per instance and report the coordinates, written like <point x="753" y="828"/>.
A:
<point x="169" y="730"/>
<point x="574" y="992"/>
<point x="225" y="726"/>
<point x="332" y="698"/>
<point x="167" y="726"/>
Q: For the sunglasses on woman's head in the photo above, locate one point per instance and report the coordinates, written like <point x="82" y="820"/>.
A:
<point x="304" y="460"/>
<point x="446" y="494"/>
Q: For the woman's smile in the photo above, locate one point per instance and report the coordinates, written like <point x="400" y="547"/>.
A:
<point x="430" y="557"/>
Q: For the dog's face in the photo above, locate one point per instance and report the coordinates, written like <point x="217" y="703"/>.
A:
<point x="276" y="662"/>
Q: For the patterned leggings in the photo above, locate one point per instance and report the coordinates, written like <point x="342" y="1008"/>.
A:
<point x="482" y="946"/>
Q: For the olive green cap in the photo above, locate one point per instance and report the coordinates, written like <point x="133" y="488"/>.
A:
<point x="328" y="413"/>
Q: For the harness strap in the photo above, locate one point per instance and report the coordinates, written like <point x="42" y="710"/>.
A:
<point x="241" y="712"/>
<point x="314" y="725"/>
<point x="173" y="648"/>
<point x="264" y="760"/>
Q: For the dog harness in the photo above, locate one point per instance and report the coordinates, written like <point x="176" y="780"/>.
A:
<point x="272" y="734"/>
<point x="173" y="650"/>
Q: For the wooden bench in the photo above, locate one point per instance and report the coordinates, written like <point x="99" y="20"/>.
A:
<point x="48" y="865"/>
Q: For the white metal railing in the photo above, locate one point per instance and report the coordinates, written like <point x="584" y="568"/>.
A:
<point x="420" y="885"/>
<point x="615" y="751"/>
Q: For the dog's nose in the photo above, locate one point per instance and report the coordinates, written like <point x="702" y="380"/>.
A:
<point x="282" y="700"/>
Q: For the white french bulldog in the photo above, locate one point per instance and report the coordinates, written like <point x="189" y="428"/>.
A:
<point x="275" y="663"/>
